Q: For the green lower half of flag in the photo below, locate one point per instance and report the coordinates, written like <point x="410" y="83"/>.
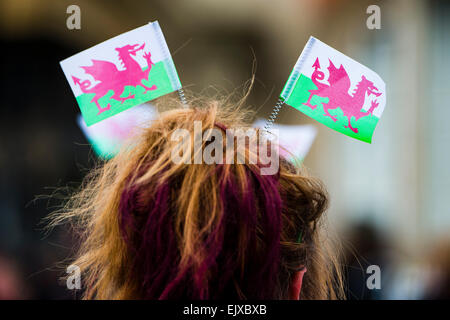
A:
<point x="365" y="125"/>
<point x="157" y="76"/>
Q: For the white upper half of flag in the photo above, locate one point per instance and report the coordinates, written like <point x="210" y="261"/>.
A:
<point x="296" y="139"/>
<point x="317" y="49"/>
<point x="150" y="35"/>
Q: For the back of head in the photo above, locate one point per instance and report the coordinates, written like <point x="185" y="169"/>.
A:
<point x="154" y="227"/>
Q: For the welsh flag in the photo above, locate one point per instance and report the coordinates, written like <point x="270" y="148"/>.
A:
<point x="336" y="90"/>
<point x="122" y="72"/>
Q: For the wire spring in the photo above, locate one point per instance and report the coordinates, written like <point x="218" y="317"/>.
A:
<point x="274" y="114"/>
<point x="182" y="96"/>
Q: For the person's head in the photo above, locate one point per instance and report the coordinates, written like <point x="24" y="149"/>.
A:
<point x="155" y="228"/>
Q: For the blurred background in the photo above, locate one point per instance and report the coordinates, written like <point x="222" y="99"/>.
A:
<point x="388" y="199"/>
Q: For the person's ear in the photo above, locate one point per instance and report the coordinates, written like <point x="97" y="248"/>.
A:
<point x="296" y="285"/>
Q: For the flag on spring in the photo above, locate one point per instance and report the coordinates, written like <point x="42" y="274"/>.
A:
<point x="336" y="90"/>
<point x="122" y="72"/>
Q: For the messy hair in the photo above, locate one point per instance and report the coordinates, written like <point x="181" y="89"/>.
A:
<point x="150" y="228"/>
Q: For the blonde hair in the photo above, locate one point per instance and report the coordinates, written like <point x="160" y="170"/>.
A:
<point x="150" y="228"/>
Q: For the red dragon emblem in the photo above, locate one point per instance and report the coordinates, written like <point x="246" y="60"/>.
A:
<point x="112" y="79"/>
<point x="338" y="96"/>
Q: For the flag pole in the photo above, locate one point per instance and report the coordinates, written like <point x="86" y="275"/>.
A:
<point x="287" y="90"/>
<point x="273" y="116"/>
<point x="182" y="97"/>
